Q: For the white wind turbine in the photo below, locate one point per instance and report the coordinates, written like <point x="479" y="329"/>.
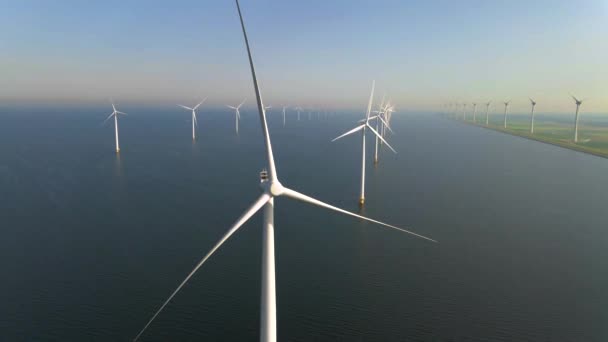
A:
<point x="381" y="122"/>
<point x="578" y="105"/>
<point x="284" y="108"/>
<point x="237" y="114"/>
<point x="271" y="188"/>
<point x="363" y="127"/>
<point x="506" y="108"/>
<point x="194" y="122"/>
<point x="474" y="112"/>
<point x="464" y="111"/>
<point x="533" y="103"/>
<point x="487" y="111"/>
<point x="115" y="115"/>
<point x="299" y="109"/>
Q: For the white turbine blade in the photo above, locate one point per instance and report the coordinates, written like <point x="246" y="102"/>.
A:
<point x="381" y="138"/>
<point x="258" y="95"/>
<point x="358" y="128"/>
<point x="121" y="113"/>
<point x="250" y="212"/>
<point x="371" y="100"/>
<point x="231" y="107"/>
<point x="200" y="103"/>
<point x="242" y="103"/>
<point x="194" y="116"/>
<point x="108" y="118"/>
<point x="238" y="114"/>
<point x="301" y="197"/>
<point x="188" y="108"/>
<point x="386" y="125"/>
<point x="112" y="102"/>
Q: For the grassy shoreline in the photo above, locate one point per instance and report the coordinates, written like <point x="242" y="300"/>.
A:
<point x="561" y="140"/>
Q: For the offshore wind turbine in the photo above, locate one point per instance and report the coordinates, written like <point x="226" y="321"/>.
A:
<point x="298" y="109"/>
<point x="237" y="114"/>
<point x="533" y="103"/>
<point x="115" y="115"/>
<point x="284" y="107"/>
<point x="506" y="103"/>
<point x="464" y="112"/>
<point x="194" y="122"/>
<point x="578" y="105"/>
<point x="474" y="112"/>
<point x="363" y="127"/>
<point x="271" y="188"/>
<point x="487" y="111"/>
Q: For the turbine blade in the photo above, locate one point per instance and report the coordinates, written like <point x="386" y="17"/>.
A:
<point x="200" y="103"/>
<point x="386" y="125"/>
<point x="108" y="118"/>
<point x="242" y="103"/>
<point x="350" y="132"/>
<point x="258" y="95"/>
<point x="371" y="100"/>
<point x="194" y="116"/>
<point x="121" y="113"/>
<point x="188" y="108"/>
<point x="307" y="199"/>
<point x="250" y="212"/>
<point x="381" y="138"/>
<point x="230" y="107"/>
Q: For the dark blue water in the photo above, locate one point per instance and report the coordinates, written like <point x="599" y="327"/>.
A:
<point x="91" y="244"/>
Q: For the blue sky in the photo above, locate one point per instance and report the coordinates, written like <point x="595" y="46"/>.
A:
<point x="312" y="53"/>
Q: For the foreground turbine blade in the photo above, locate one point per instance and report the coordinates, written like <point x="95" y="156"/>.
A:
<point x="250" y="212"/>
<point x="350" y="132"/>
<point x="301" y="197"/>
<point x="231" y="107"/>
<point x="188" y="108"/>
<point x="121" y="113"/>
<point x="194" y="116"/>
<point x="258" y="96"/>
<point x="381" y="138"/>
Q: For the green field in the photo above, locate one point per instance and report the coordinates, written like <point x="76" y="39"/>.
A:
<point x="556" y="129"/>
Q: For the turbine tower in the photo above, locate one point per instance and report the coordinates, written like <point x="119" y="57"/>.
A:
<point x="487" y="111"/>
<point x="194" y="122"/>
<point x="115" y="115"/>
<point x="237" y="114"/>
<point x="506" y="106"/>
<point x="578" y="105"/>
<point x="533" y="103"/>
<point x="363" y="128"/>
<point x="271" y="188"/>
<point x="464" y="112"/>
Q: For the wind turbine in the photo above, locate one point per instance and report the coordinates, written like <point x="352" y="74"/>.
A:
<point x="115" y="115"/>
<point x="464" y="111"/>
<point x="194" y="122"/>
<point x="487" y="111"/>
<point x="474" y="112"/>
<point x="284" y="107"/>
<point x="578" y="105"/>
<point x="271" y="188"/>
<point x="238" y="114"/>
<point x="299" y="109"/>
<point x="533" y="103"/>
<point x="363" y="127"/>
<point x="506" y="107"/>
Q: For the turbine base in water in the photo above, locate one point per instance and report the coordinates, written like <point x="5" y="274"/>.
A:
<point x="361" y="201"/>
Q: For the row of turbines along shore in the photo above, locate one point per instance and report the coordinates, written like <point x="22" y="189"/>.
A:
<point x="453" y="109"/>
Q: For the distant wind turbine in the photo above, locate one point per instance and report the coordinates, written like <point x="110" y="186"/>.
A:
<point x="506" y="107"/>
<point x="578" y="105"/>
<point x="487" y="111"/>
<point x="271" y="188"/>
<point x="284" y="107"/>
<point x="464" y="111"/>
<point x="115" y="115"/>
<point x="533" y="103"/>
<point x="194" y="122"/>
<point x="474" y="112"/>
<point x="363" y="128"/>
<point x="237" y="114"/>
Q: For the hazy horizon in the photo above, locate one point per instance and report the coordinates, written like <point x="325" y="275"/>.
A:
<point x="312" y="54"/>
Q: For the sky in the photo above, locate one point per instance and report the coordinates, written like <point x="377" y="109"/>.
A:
<point x="314" y="53"/>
